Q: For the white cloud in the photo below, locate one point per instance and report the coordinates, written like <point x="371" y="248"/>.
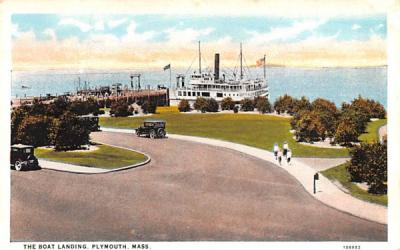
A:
<point x="84" y="27"/>
<point x="99" y="25"/>
<point x="355" y="27"/>
<point x="133" y="36"/>
<point x="285" y="33"/>
<point x="115" y="23"/>
<point x="50" y="33"/>
<point x="182" y="36"/>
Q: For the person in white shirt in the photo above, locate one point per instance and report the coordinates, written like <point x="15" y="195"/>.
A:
<point x="289" y="156"/>
<point x="285" y="149"/>
<point x="279" y="157"/>
<point x="276" y="149"/>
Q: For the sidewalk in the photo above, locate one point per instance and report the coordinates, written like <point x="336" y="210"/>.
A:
<point x="327" y="192"/>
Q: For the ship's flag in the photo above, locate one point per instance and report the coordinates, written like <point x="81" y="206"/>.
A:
<point x="260" y="61"/>
<point x="167" y="66"/>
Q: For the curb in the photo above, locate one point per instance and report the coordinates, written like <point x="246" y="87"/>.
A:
<point x="101" y="170"/>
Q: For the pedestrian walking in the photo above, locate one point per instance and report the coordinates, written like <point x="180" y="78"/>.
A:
<point x="285" y="149"/>
<point x="279" y="157"/>
<point x="276" y="149"/>
<point x="289" y="156"/>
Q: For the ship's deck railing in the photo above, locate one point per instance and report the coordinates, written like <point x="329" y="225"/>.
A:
<point x="244" y="89"/>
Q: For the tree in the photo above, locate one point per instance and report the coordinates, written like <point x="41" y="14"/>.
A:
<point x="369" y="163"/>
<point x="184" y="106"/>
<point x="329" y="114"/>
<point x="247" y="104"/>
<point x="309" y="127"/>
<point x="301" y="104"/>
<point x="284" y="104"/>
<point x="34" y="130"/>
<point x="346" y="132"/>
<point x="149" y="107"/>
<point x="212" y="105"/>
<point x="262" y="104"/>
<point x="359" y="117"/>
<point x="58" y="107"/>
<point x="200" y="104"/>
<point x="120" y="109"/>
<point x="17" y="116"/>
<point x="227" y="103"/>
<point x="68" y="132"/>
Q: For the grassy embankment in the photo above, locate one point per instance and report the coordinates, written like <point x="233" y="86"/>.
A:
<point x="372" y="132"/>
<point x="260" y="131"/>
<point x="104" y="157"/>
<point x="340" y="174"/>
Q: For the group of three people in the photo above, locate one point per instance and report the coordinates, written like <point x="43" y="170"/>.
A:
<point x="287" y="153"/>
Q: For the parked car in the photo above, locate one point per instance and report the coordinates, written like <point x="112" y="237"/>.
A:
<point x="152" y="128"/>
<point x="23" y="157"/>
<point x="90" y="121"/>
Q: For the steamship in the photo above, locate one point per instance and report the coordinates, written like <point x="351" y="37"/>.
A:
<point x="211" y="85"/>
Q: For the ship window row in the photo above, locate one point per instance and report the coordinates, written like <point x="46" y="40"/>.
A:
<point x="188" y="93"/>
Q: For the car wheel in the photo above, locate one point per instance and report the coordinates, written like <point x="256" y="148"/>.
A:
<point x="152" y="134"/>
<point x="137" y="134"/>
<point x="161" y="133"/>
<point x="18" y="165"/>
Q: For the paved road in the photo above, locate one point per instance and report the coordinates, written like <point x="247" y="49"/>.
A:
<point x="188" y="192"/>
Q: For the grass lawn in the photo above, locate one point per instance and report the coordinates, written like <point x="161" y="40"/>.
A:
<point x="340" y="174"/>
<point x="260" y="131"/>
<point x="105" y="157"/>
<point x="372" y="132"/>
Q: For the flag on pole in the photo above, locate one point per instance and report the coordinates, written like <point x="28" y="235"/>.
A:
<point x="167" y="67"/>
<point x="260" y="61"/>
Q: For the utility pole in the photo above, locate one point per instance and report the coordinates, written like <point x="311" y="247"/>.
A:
<point x="264" y="68"/>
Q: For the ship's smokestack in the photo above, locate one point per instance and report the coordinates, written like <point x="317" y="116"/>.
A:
<point x="216" y="67"/>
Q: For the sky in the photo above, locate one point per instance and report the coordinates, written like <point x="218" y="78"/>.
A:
<point x="126" y="41"/>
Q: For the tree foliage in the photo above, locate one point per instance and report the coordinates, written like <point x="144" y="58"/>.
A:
<point x="247" y="104"/>
<point x="34" y="130"/>
<point x="284" y="104"/>
<point x="227" y="103"/>
<point x="262" y="104"/>
<point x="309" y="126"/>
<point x="120" y="109"/>
<point x="69" y="132"/>
<point x="346" y="132"/>
<point x="200" y="104"/>
<point x="184" y="106"/>
<point x="369" y="164"/>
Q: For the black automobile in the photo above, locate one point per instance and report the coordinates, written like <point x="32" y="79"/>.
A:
<point x="90" y="121"/>
<point x="23" y="157"/>
<point x="152" y="128"/>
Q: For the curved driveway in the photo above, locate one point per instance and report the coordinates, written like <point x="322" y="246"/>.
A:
<point x="188" y="192"/>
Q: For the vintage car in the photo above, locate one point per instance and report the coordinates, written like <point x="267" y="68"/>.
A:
<point x="90" y="121"/>
<point x="22" y="157"/>
<point x="152" y="128"/>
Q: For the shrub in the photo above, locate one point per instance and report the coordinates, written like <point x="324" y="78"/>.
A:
<point x="200" y="104"/>
<point x="329" y="114"/>
<point x="149" y="107"/>
<point x="284" y="104"/>
<point x="302" y="104"/>
<point x="346" y="132"/>
<point x="120" y="109"/>
<point x="212" y="105"/>
<point x="247" y="104"/>
<point x="309" y="126"/>
<point x="34" y="130"/>
<point x="58" y="107"/>
<point x="184" y="106"/>
<point x="68" y="132"/>
<point x="235" y="109"/>
<point x="262" y="104"/>
<point x="369" y="163"/>
<point x="227" y="103"/>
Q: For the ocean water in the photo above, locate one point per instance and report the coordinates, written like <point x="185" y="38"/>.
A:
<point x="335" y="84"/>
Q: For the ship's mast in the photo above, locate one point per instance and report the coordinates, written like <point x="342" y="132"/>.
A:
<point x="264" y="67"/>
<point x="241" y="66"/>
<point x="199" y="59"/>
